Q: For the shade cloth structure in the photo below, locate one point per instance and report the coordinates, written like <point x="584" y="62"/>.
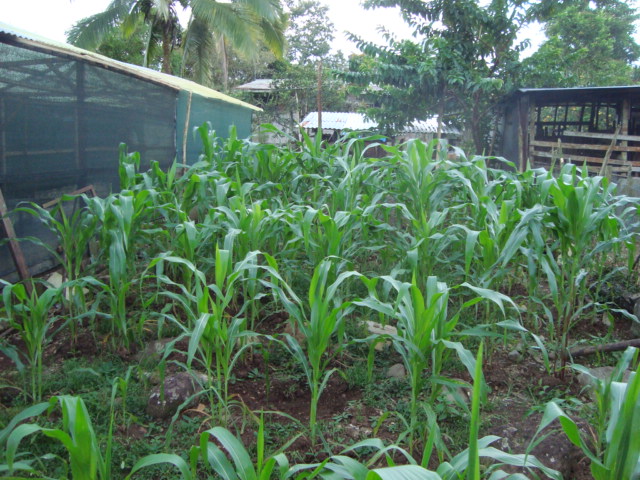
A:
<point x="64" y="111"/>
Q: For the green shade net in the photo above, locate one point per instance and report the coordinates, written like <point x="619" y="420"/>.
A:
<point x="62" y="121"/>
<point x="220" y="115"/>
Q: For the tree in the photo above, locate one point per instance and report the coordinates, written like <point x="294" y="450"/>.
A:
<point x="213" y="28"/>
<point x="295" y="77"/>
<point x="310" y="32"/>
<point x="159" y="16"/>
<point x="465" y="58"/>
<point x="589" y="44"/>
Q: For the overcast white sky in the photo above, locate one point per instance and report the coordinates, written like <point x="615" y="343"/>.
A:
<point x="51" y="18"/>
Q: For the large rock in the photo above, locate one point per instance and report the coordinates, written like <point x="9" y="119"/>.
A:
<point x="396" y="370"/>
<point x="600" y="373"/>
<point x="177" y="389"/>
<point x="379" y="329"/>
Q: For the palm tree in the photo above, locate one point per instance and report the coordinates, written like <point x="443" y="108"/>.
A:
<point x="243" y="25"/>
<point x="214" y="26"/>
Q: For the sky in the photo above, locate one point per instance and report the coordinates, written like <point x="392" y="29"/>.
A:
<point x="52" y="18"/>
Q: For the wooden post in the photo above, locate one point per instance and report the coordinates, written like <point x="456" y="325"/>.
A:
<point x="14" y="246"/>
<point x="626" y="115"/>
<point x="523" y="121"/>
<point x="319" y="97"/>
<point x="185" y="132"/>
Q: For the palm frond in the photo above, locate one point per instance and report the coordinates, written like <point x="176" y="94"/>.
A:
<point x="89" y="32"/>
<point x="200" y="52"/>
<point x="235" y="22"/>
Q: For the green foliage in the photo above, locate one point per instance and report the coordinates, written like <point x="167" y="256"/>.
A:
<point x="465" y="57"/>
<point x="589" y="44"/>
<point x="252" y="234"/>
<point x="617" y="452"/>
<point x="212" y="28"/>
<point x="87" y="461"/>
<point x="30" y="313"/>
<point x="320" y="320"/>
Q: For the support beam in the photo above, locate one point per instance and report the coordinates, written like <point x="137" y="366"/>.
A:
<point x="14" y="246"/>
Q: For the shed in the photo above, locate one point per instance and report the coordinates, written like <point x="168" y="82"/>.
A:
<point x="593" y="125"/>
<point x="334" y="122"/>
<point x="64" y="111"/>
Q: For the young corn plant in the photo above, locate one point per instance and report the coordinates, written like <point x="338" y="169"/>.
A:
<point x="31" y="315"/>
<point x="320" y="320"/>
<point x="425" y="331"/>
<point x="467" y="464"/>
<point x="217" y="334"/>
<point x="617" y="450"/>
<point x="123" y="229"/>
<point x="86" y="459"/>
<point x="585" y="226"/>
<point x="73" y="233"/>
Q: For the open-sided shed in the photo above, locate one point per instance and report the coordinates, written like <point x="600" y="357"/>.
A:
<point x="599" y="126"/>
<point x="64" y="111"/>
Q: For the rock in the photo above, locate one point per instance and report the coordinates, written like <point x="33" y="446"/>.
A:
<point x="153" y="352"/>
<point x="601" y="373"/>
<point x="515" y="356"/>
<point x="55" y="279"/>
<point x="396" y="371"/>
<point x="177" y="389"/>
<point x="379" y="329"/>
<point x="635" y="325"/>
<point x="457" y="395"/>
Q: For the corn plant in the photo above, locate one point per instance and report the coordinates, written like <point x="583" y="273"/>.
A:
<point x="230" y="460"/>
<point x="31" y="315"/>
<point x="87" y="460"/>
<point x="217" y="337"/>
<point x="425" y="331"/>
<point x="73" y="234"/>
<point x="584" y="225"/>
<point x="123" y="229"/>
<point x="617" y="448"/>
<point x="320" y="319"/>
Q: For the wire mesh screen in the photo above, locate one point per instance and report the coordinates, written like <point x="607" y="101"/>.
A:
<point x="62" y="121"/>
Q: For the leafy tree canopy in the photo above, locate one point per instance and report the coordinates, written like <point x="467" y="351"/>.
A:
<point x="463" y="58"/>
<point x="589" y="44"/>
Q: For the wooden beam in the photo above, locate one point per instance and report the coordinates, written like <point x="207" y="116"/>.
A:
<point x="607" y="155"/>
<point x="88" y="189"/>
<point x="585" y="146"/>
<point x="579" y="160"/>
<point x="608" y="347"/>
<point x="626" y="115"/>
<point x="606" y="136"/>
<point x="14" y="246"/>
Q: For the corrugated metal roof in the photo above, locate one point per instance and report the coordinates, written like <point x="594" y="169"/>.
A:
<point x="34" y="40"/>
<point x="358" y="121"/>
<point x="621" y="88"/>
<point x="338" y="121"/>
<point x="257" y="85"/>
